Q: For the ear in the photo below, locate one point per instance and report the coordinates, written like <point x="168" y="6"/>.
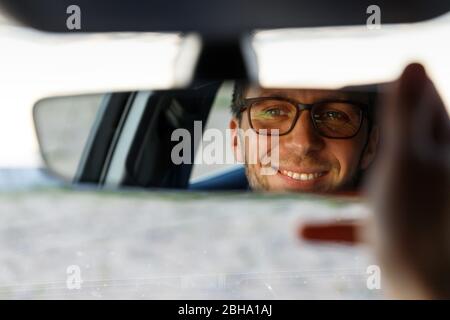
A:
<point x="371" y="148"/>
<point x="235" y="145"/>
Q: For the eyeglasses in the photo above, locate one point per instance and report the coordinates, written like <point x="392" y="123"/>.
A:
<point x="335" y="119"/>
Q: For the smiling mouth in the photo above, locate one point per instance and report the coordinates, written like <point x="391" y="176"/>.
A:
<point x="302" y="176"/>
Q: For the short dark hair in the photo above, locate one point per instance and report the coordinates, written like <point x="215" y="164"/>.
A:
<point x="240" y="86"/>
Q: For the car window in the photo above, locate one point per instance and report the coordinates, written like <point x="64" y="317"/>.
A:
<point x="218" y="118"/>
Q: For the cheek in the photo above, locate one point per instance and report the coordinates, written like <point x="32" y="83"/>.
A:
<point x="346" y="154"/>
<point x="257" y="146"/>
<point x="243" y="144"/>
<point x="256" y="180"/>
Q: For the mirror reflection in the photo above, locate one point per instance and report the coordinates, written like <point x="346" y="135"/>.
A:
<point x="326" y="139"/>
<point x="215" y="136"/>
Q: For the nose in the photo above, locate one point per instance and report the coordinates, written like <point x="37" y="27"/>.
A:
<point x="303" y="138"/>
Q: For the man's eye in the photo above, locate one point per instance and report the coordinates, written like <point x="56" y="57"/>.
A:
<point x="332" y="115"/>
<point x="275" y="112"/>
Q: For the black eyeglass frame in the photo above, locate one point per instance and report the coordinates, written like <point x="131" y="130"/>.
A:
<point x="304" y="106"/>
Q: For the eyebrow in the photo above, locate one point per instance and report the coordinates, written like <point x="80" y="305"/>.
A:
<point x="337" y="96"/>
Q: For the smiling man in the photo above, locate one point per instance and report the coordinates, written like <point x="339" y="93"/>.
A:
<point x="326" y="139"/>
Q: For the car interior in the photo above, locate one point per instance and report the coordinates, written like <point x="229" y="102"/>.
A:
<point x="129" y="144"/>
<point x="114" y="216"/>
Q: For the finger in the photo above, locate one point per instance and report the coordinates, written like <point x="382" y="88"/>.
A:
<point x="415" y="118"/>
<point x="398" y="107"/>
<point x="431" y="128"/>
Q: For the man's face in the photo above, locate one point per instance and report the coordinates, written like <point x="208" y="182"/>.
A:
<point x="308" y="161"/>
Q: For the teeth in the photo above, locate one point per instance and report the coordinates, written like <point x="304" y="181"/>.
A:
<point x="302" y="176"/>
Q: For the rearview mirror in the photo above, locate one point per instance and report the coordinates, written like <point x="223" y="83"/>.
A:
<point x="213" y="136"/>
